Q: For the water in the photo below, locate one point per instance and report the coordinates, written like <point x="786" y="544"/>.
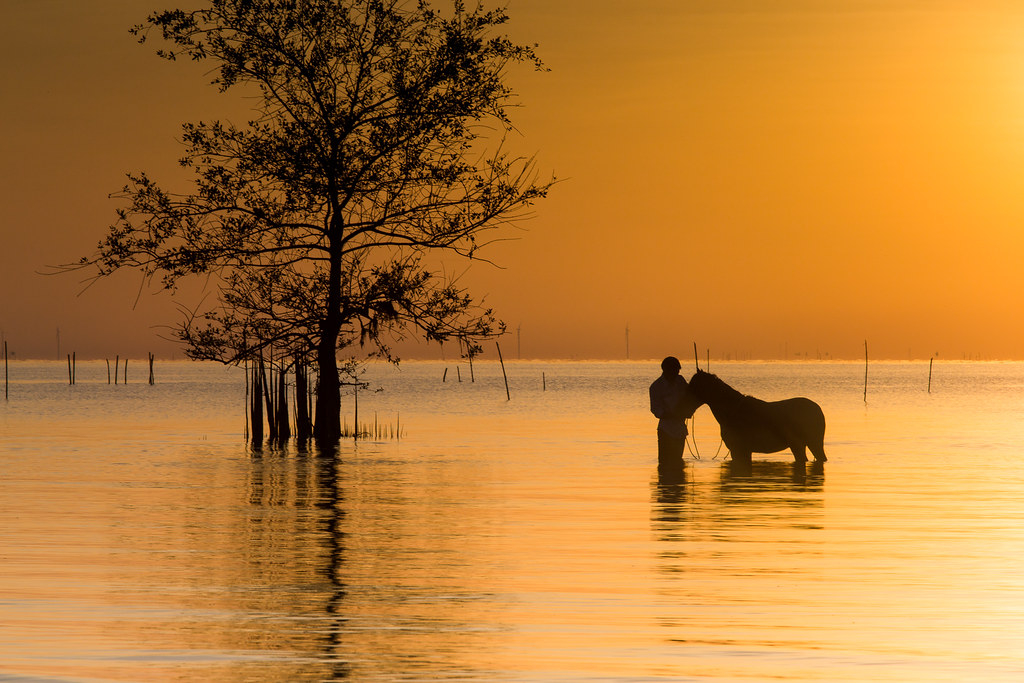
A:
<point x="522" y="540"/>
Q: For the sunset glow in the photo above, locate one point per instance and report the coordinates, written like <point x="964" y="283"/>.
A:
<point x="768" y="183"/>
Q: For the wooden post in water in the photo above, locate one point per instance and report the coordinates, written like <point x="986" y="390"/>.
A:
<point x="284" y="431"/>
<point x="507" y="394"/>
<point x="266" y="386"/>
<point x="865" y="371"/>
<point x="544" y="381"/>
<point x="151" y="378"/>
<point x="108" y="370"/>
<point x="117" y="367"/>
<point x="245" y="369"/>
<point x="300" y="400"/>
<point x="256" y="405"/>
<point x="126" y="369"/>
<point x="930" y="361"/>
<point x="444" y="376"/>
<point x="74" y="368"/>
<point x="70" y="380"/>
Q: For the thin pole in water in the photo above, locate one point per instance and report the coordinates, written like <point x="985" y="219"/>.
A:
<point x="507" y="394"/>
<point x="7" y="389"/>
<point x="930" y="361"/>
<point x="865" y="371"/>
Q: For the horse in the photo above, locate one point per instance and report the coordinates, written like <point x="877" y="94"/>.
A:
<point x="750" y="425"/>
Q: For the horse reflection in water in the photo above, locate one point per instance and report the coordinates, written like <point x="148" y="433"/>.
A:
<point x="750" y="425"/>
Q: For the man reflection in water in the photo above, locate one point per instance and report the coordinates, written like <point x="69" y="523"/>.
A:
<point x="672" y="403"/>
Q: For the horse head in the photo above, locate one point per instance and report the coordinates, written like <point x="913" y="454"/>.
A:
<point x="702" y="385"/>
<point x="708" y="388"/>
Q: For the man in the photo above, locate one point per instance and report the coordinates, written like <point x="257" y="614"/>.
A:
<point x="672" y="403"/>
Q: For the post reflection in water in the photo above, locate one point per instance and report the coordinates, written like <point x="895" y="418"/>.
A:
<point x="294" y="544"/>
<point x="307" y="481"/>
<point x="359" y="580"/>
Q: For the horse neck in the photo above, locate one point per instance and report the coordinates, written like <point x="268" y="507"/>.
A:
<point x="724" y="396"/>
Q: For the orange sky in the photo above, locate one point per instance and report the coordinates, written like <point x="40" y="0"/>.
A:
<point x="765" y="182"/>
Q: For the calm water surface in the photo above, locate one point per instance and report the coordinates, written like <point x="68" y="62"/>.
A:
<point x="141" y="539"/>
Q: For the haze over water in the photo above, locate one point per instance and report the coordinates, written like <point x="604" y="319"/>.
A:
<point x="528" y="539"/>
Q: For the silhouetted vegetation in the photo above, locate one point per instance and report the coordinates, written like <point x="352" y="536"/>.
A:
<point x="315" y="221"/>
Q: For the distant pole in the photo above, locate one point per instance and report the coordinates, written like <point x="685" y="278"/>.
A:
<point x="126" y="370"/>
<point x="507" y="394"/>
<point x="74" y="368"/>
<point x="7" y="394"/>
<point x="152" y="380"/>
<point x="930" y="361"/>
<point x="696" y="362"/>
<point x="544" y="381"/>
<point x="865" y="371"/>
<point x="117" y="366"/>
<point x="444" y="376"/>
<point x="108" y="370"/>
<point x="71" y="379"/>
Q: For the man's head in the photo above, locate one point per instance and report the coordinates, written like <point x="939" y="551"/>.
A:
<point x="670" y="366"/>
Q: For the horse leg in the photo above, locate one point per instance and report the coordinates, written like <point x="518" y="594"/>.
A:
<point x="742" y="457"/>
<point x="818" y="449"/>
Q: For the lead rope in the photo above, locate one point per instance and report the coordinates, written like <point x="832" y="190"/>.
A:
<point x="693" y="450"/>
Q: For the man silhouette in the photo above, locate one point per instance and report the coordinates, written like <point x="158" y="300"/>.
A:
<point x="672" y="403"/>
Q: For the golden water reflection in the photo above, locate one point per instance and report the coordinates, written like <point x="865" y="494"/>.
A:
<point x="511" y="547"/>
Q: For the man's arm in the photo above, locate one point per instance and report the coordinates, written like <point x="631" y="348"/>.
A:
<point x="665" y="399"/>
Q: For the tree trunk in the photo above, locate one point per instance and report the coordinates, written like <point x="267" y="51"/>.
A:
<point x="327" y="426"/>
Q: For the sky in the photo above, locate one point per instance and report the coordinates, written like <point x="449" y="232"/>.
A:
<point x="767" y="180"/>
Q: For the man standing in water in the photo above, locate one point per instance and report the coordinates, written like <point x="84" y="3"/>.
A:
<point x="672" y="403"/>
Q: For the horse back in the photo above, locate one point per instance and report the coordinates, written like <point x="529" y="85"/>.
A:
<point x="800" y="412"/>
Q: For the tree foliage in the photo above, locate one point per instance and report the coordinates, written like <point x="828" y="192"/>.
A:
<point x="376" y="142"/>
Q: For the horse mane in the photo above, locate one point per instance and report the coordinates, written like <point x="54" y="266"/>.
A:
<point x="717" y="389"/>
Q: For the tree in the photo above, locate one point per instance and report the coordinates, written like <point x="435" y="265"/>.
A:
<point x="368" y="154"/>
